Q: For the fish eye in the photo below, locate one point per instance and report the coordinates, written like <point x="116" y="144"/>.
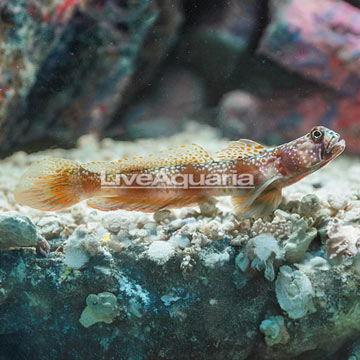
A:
<point x="317" y="135"/>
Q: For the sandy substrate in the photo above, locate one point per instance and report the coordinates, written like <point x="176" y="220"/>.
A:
<point x="290" y="278"/>
<point x="338" y="181"/>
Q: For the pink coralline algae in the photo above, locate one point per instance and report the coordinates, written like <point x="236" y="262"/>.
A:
<point x="65" y="9"/>
<point x="318" y="39"/>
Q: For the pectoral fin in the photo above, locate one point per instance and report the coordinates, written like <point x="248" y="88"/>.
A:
<point x="253" y="195"/>
<point x="261" y="201"/>
<point x="263" y="204"/>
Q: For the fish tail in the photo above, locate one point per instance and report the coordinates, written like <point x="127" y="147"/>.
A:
<point x="51" y="184"/>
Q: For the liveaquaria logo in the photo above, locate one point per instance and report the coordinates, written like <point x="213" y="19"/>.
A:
<point x="178" y="180"/>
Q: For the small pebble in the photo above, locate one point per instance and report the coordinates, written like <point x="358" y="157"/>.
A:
<point x="309" y="205"/>
<point x="208" y="207"/>
<point x="162" y="215"/>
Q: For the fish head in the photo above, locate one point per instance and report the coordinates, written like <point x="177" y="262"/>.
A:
<point x="312" y="151"/>
<point x="323" y="145"/>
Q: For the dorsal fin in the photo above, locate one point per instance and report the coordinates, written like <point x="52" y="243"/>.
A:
<point x="183" y="155"/>
<point x="240" y="149"/>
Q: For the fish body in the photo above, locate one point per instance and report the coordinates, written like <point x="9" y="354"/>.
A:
<point x="250" y="173"/>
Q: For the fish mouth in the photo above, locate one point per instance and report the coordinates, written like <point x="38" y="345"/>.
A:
<point x="335" y="146"/>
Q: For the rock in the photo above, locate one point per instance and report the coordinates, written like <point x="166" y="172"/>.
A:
<point x="316" y="44"/>
<point x="342" y="238"/>
<point x="162" y="215"/>
<point x="239" y="113"/>
<point x="17" y="231"/>
<point x="144" y="296"/>
<point x="274" y="115"/>
<point x="168" y="299"/>
<point x="337" y="202"/>
<point x="177" y="224"/>
<point x="297" y="244"/>
<point x="179" y="241"/>
<point x="208" y="207"/>
<point x="175" y="98"/>
<point x="80" y="247"/>
<point x="88" y="42"/>
<point x="343" y="242"/>
<point x="309" y="205"/>
<point x="239" y="240"/>
<point x="99" y="308"/>
<point x="216" y="39"/>
<point x="113" y="223"/>
<point x="294" y="292"/>
<point x="320" y="42"/>
<point x="164" y="34"/>
<point x="50" y="227"/>
<point x="286" y="237"/>
<point x="265" y="245"/>
<point x="354" y="351"/>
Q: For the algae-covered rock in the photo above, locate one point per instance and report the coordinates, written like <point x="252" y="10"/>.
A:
<point x="17" y="230"/>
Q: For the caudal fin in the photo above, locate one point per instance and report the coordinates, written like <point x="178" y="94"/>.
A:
<point x="50" y="184"/>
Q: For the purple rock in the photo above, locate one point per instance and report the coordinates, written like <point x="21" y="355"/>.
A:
<point x="318" y="39"/>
